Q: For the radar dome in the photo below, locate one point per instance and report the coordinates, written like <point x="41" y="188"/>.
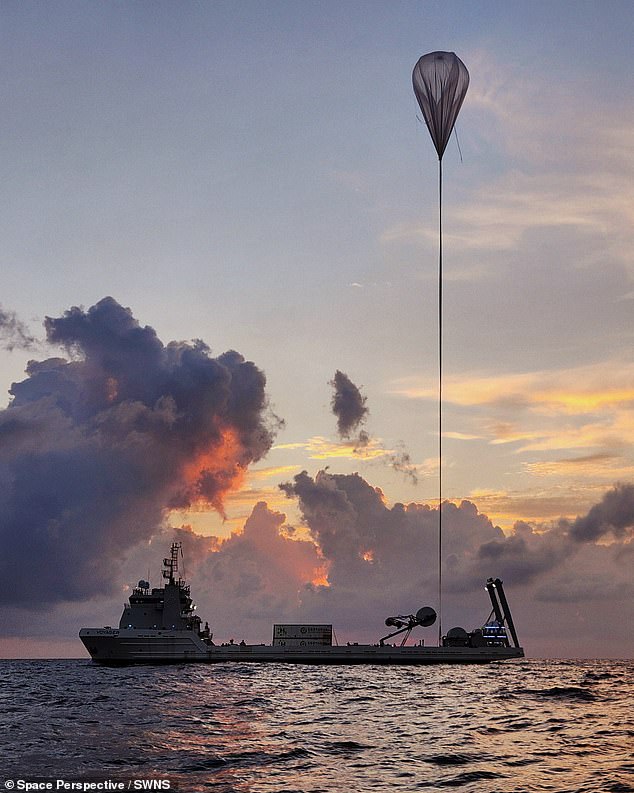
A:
<point x="426" y="616"/>
<point x="143" y="585"/>
<point x="457" y="637"/>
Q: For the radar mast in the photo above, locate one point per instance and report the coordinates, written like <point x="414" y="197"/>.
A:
<point x="171" y="563"/>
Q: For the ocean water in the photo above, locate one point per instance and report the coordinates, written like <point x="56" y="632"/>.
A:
<point x="565" y="726"/>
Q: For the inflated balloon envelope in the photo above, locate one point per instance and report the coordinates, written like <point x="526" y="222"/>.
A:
<point x="440" y="83"/>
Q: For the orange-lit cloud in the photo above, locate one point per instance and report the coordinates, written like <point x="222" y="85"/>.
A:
<point x="369" y="450"/>
<point x="582" y="390"/>
<point x="237" y="505"/>
<point x="462" y="436"/>
<point x="320" y="576"/>
<point x="220" y="463"/>
<point x="260" y="570"/>
<point x="320" y="448"/>
<point x="594" y="467"/>
<point x="573" y="430"/>
<point x="251" y="486"/>
<point x="588" y="407"/>
<point x="540" y="504"/>
<point x="271" y="472"/>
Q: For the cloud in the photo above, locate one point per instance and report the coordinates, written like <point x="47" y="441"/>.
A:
<point x="14" y="334"/>
<point x="540" y="505"/>
<point x="381" y="557"/>
<point x="524" y="555"/>
<point x="379" y="554"/>
<point x="358" y="558"/>
<point x="254" y="577"/>
<point x="401" y="461"/>
<point x="364" y="448"/>
<point x="320" y="448"/>
<point x="348" y="405"/>
<point x="583" y="408"/>
<point x="580" y="390"/>
<point x="614" y="514"/>
<point x="590" y="466"/>
<point x="350" y="520"/>
<point x="592" y="587"/>
<point x="98" y="446"/>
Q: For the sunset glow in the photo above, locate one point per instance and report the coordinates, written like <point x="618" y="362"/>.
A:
<point x="222" y="462"/>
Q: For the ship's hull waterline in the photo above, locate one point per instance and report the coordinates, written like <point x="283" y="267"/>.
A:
<point x="134" y="647"/>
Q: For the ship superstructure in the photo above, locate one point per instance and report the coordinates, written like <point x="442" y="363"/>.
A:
<point x="170" y="607"/>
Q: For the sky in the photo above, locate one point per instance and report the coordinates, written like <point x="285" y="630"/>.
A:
<point x="184" y="180"/>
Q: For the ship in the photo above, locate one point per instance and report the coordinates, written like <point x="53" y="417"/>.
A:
<point x="160" y="625"/>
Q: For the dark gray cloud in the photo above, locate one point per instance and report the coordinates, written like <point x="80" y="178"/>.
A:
<point x="14" y="334"/>
<point x="348" y="405"/>
<point x="593" y="588"/>
<point x="614" y="514"/>
<point x="382" y="556"/>
<point x="95" y="448"/>
<point x="524" y="555"/>
<point x="401" y="461"/>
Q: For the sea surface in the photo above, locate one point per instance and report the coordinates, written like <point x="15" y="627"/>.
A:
<point x="565" y="726"/>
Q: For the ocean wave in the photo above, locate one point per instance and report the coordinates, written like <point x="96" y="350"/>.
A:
<point x="534" y="726"/>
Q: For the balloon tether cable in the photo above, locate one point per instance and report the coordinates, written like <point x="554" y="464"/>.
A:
<point x="439" y="401"/>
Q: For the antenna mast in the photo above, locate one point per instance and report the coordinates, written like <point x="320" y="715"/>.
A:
<point x="171" y="563"/>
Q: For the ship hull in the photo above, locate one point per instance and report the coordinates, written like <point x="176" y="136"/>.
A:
<point x="130" y="646"/>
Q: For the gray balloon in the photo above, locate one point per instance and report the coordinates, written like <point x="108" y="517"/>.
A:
<point x="440" y="83"/>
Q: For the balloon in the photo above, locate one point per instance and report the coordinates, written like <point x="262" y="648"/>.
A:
<point x="440" y="83"/>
